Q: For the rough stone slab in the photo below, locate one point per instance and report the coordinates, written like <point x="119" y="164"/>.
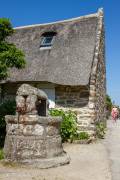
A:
<point x="88" y="162"/>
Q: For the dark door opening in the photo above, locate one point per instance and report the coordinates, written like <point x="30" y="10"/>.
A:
<point x="41" y="107"/>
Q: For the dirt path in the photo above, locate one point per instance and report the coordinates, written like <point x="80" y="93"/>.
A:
<point x="112" y="143"/>
<point x="88" y="162"/>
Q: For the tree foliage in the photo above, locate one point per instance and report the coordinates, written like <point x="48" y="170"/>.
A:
<point x="10" y="55"/>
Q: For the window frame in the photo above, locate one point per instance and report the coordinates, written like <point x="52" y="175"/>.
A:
<point x="44" y="38"/>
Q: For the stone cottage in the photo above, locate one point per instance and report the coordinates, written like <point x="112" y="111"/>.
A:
<point x="67" y="60"/>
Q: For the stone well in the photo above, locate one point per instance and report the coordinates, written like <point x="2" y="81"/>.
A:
<point x="32" y="139"/>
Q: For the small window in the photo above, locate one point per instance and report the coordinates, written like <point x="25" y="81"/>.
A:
<point x="47" y="39"/>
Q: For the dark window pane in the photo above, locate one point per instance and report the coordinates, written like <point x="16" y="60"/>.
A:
<point x="47" y="41"/>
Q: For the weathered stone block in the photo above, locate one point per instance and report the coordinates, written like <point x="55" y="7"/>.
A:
<point x="30" y="119"/>
<point x="38" y="130"/>
<point x="12" y="129"/>
<point x="52" y="130"/>
<point x="54" y="146"/>
<point x="27" y="130"/>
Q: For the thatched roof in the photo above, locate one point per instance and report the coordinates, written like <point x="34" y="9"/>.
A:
<point x="68" y="62"/>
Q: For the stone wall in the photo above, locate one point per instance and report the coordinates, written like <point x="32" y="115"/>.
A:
<point x="98" y="75"/>
<point x="71" y="96"/>
<point x="100" y="107"/>
<point x="65" y="96"/>
<point x="76" y="99"/>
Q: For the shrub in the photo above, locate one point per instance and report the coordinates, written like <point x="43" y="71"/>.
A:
<point x="68" y="126"/>
<point x="100" y="130"/>
<point x="1" y="154"/>
<point x="6" y="108"/>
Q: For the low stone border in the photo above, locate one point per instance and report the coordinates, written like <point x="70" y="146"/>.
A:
<point x="82" y="141"/>
<point x="40" y="163"/>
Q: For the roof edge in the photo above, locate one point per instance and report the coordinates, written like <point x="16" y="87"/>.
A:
<point x="97" y="44"/>
<point x="2" y="82"/>
<point x="62" y="21"/>
<point x="100" y="12"/>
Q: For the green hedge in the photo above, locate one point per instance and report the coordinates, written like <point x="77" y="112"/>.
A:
<point x="6" y="108"/>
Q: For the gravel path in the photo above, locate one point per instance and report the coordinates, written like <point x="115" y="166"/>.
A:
<point x="112" y="143"/>
<point x="88" y="162"/>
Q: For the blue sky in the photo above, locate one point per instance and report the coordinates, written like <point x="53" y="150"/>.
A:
<point x="25" y="12"/>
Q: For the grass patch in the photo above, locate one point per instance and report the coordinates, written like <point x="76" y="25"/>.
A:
<point x="82" y="136"/>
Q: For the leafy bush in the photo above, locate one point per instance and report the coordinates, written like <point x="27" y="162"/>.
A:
<point x="6" y="108"/>
<point x="100" y="130"/>
<point x="82" y="136"/>
<point x="1" y="154"/>
<point x="68" y="125"/>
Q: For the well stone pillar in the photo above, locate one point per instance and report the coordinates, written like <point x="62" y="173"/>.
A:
<point x="32" y="139"/>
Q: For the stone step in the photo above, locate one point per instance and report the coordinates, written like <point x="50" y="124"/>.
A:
<point x="90" y="132"/>
<point x="85" y="121"/>
<point x="85" y="115"/>
<point x="85" y="128"/>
